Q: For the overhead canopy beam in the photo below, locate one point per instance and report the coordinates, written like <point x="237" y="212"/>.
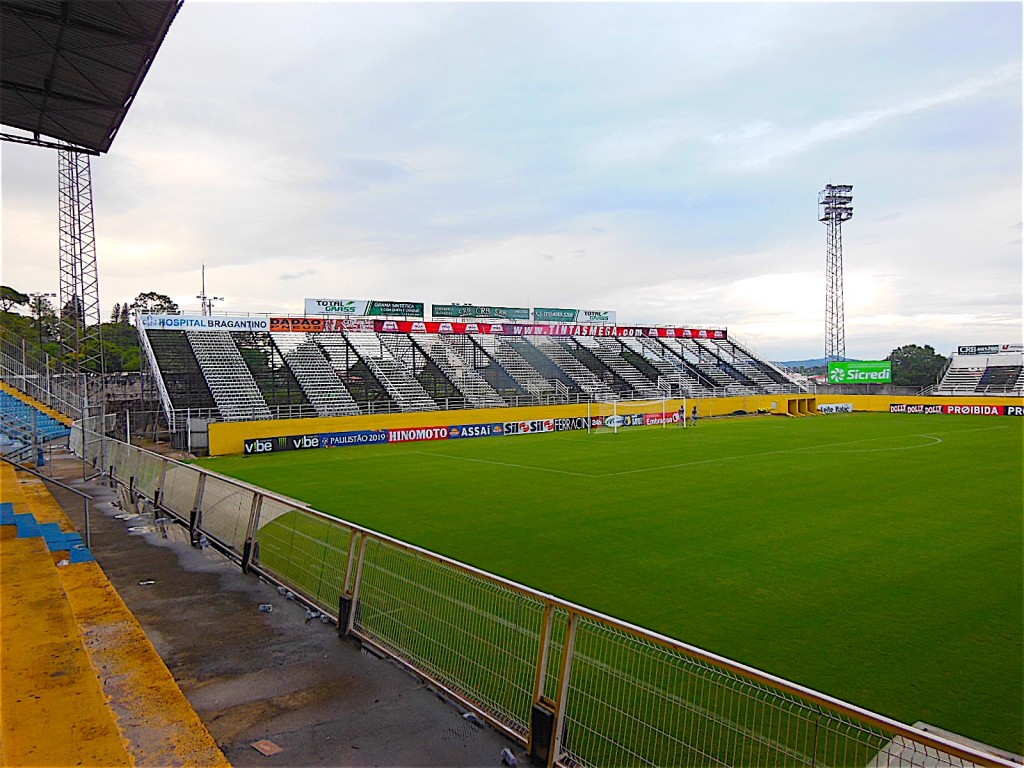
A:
<point x="71" y="68"/>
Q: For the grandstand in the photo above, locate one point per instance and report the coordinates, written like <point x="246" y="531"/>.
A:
<point x="25" y="425"/>
<point x="989" y="370"/>
<point x="364" y="367"/>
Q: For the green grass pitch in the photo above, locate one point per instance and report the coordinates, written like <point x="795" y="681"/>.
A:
<point x="874" y="557"/>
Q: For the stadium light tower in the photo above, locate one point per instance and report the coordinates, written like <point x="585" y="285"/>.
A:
<point x="81" y="334"/>
<point x="835" y="205"/>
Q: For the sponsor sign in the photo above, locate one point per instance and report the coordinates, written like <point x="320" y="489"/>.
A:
<point x="1012" y="348"/>
<point x="275" y="444"/>
<point x="597" y="316"/>
<point x="475" y="430"/>
<point x="319" y="324"/>
<point x="979" y="349"/>
<point x="363" y="308"/>
<point x="529" y="427"/>
<point x="980" y="409"/>
<point x="568" y="425"/>
<point x="835" y="408"/>
<point x="587" y="316"/>
<point x="975" y="410"/>
<point x="469" y="310"/>
<point x="417" y="434"/>
<point x="205" y="323"/>
<point x="860" y="372"/>
<point x="356" y="437"/>
<point x="544" y="329"/>
<point x="661" y="418"/>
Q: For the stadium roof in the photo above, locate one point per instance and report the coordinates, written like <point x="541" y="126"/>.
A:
<point x="69" y="69"/>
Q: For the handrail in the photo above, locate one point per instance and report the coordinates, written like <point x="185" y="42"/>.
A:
<point x="87" y="498"/>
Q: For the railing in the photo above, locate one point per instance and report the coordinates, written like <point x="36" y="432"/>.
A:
<point x="575" y="686"/>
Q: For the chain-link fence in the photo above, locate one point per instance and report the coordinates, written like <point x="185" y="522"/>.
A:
<point x="577" y="687"/>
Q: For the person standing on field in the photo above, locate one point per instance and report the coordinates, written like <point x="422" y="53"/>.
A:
<point x="693" y="417"/>
<point x="682" y="415"/>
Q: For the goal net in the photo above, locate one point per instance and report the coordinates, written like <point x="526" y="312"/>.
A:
<point x="612" y="415"/>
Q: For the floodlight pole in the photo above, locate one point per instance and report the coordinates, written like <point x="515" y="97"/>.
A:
<point x="835" y="205"/>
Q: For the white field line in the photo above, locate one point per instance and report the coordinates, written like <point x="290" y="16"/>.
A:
<point x="503" y="464"/>
<point x="788" y="450"/>
<point x="700" y="462"/>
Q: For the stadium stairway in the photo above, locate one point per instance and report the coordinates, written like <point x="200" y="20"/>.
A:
<point x="80" y="684"/>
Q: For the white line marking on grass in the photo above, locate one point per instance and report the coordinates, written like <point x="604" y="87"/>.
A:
<point x="934" y="441"/>
<point x="776" y="453"/>
<point x="504" y="464"/>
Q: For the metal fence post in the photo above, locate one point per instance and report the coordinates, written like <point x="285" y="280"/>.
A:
<point x="355" y="589"/>
<point x="250" y="532"/>
<point x="563" y="690"/>
<point x="195" y="519"/>
<point x="158" y="495"/>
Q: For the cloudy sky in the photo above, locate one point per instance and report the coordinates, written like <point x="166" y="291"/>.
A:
<point x="662" y="160"/>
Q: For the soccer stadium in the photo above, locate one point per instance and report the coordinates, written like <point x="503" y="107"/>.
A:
<point x="383" y="532"/>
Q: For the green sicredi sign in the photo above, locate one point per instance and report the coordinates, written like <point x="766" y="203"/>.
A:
<point x="860" y="372"/>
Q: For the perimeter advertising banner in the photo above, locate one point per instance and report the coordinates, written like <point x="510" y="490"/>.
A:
<point x="860" y="372"/>
<point x="205" y="323"/>
<point x="509" y="329"/>
<point x="261" y="445"/>
<point x="981" y="409"/>
<point x="586" y="316"/>
<point x="363" y="308"/>
<point x="470" y="310"/>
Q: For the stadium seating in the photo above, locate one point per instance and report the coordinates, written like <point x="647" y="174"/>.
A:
<point x="999" y="373"/>
<point x="315" y="375"/>
<point x="23" y="425"/>
<point x="263" y="375"/>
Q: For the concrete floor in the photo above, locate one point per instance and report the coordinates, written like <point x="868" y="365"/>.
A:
<point x="276" y="676"/>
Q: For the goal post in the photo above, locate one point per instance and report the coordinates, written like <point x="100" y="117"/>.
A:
<point x="613" y="414"/>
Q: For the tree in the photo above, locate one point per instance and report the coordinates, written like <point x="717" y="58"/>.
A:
<point x="914" y="366"/>
<point x="9" y="297"/>
<point x="155" y="303"/>
<point x="115" y="313"/>
<point x="125" y="319"/>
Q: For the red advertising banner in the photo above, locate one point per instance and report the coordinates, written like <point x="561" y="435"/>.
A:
<point x="975" y="410"/>
<point x="337" y="324"/>
<point x="544" y="329"/>
<point x="319" y="324"/>
<point x="417" y="434"/>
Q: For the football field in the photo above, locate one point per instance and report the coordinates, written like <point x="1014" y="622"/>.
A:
<point x="875" y="557"/>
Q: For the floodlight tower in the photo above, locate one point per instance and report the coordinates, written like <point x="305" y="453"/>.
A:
<point x="80" y="320"/>
<point x="835" y="205"/>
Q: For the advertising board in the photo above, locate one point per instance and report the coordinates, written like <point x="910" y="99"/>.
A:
<point x="978" y="349"/>
<point x="835" y="408"/>
<point x="363" y="307"/>
<point x="205" y="323"/>
<point x="584" y="316"/>
<point x="470" y="310"/>
<point x="860" y="372"/>
<point x="979" y="409"/>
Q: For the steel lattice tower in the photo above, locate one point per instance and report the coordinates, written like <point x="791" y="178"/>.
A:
<point x="835" y="205"/>
<point x="81" y="335"/>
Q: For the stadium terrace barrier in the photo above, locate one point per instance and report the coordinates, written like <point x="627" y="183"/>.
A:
<point x="576" y="687"/>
